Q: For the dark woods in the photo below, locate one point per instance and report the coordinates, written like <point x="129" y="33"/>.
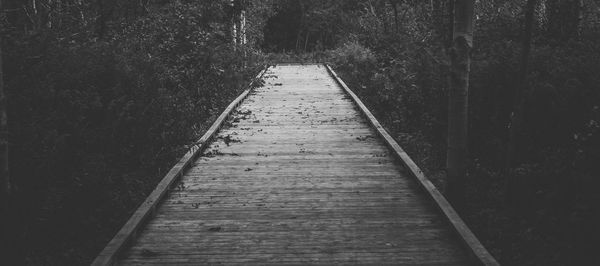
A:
<point x="528" y="185"/>
<point x="104" y="95"/>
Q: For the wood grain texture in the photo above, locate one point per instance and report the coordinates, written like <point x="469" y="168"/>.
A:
<point x="297" y="176"/>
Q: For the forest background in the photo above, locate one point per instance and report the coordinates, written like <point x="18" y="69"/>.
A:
<point x="103" y="96"/>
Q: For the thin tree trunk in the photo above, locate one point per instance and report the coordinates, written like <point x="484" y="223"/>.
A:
<point x="238" y="22"/>
<point x="516" y="119"/>
<point x="297" y="41"/>
<point x="243" y="26"/>
<point x="462" y="43"/>
<point x="48" y="14"/>
<point x="81" y="15"/>
<point x="36" y="15"/>
<point x="306" y="40"/>
<point x="299" y="33"/>
<point x="243" y="32"/>
<point x="233" y="26"/>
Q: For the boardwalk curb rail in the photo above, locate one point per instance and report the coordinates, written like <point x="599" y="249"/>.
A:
<point x="477" y="251"/>
<point x="129" y="231"/>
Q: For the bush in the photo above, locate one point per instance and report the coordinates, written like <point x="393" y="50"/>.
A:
<point x="354" y="56"/>
<point x="96" y="123"/>
<point x="398" y="86"/>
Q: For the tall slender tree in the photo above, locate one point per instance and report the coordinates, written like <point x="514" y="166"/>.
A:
<point x="460" y="59"/>
<point x="240" y="21"/>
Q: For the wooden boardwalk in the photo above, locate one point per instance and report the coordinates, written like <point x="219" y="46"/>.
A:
<point x="297" y="176"/>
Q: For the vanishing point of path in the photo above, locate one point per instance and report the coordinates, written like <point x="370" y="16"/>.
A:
<point x="298" y="176"/>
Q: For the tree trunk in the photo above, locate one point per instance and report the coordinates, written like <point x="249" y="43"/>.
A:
<point x="299" y="33"/>
<point x="516" y="119"/>
<point x="243" y="32"/>
<point x="81" y="15"/>
<point x="462" y="42"/>
<point x="232" y="26"/>
<point x="243" y="26"/>
<point x="36" y="17"/>
<point x="238" y="23"/>
<point x="306" y="40"/>
<point x="237" y="7"/>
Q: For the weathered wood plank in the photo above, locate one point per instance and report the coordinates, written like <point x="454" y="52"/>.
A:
<point x="297" y="176"/>
<point x="129" y="230"/>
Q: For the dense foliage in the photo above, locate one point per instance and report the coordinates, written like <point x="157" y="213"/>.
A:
<point x="393" y="53"/>
<point x="98" y="118"/>
<point x="104" y="95"/>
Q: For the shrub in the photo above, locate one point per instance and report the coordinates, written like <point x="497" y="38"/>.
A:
<point x="96" y="123"/>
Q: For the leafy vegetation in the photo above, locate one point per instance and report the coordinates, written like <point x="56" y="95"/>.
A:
<point x="96" y="122"/>
<point x="393" y="54"/>
<point x="103" y="96"/>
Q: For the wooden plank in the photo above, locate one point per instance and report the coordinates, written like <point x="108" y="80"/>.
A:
<point x="478" y="252"/>
<point x="108" y="255"/>
<point x="311" y="184"/>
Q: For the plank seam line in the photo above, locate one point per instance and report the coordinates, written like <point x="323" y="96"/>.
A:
<point x="478" y="253"/>
<point x="145" y="211"/>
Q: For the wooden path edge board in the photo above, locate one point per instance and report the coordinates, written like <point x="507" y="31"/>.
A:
<point x="477" y="252"/>
<point x="129" y="231"/>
